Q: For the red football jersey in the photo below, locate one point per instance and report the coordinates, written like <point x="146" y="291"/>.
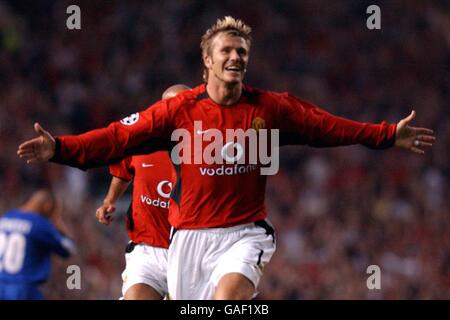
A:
<point x="214" y="195"/>
<point x="152" y="183"/>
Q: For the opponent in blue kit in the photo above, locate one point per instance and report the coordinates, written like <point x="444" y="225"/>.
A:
<point x="28" y="237"/>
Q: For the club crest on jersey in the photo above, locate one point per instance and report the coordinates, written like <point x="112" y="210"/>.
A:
<point x="131" y="119"/>
<point x="258" y="123"/>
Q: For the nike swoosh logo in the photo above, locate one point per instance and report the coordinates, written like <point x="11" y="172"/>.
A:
<point x="146" y="165"/>
<point x="200" y="132"/>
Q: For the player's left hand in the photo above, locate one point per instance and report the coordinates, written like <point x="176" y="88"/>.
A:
<point x="105" y="213"/>
<point x="412" y="138"/>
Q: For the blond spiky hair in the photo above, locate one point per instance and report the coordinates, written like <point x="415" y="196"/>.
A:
<point x="228" y="25"/>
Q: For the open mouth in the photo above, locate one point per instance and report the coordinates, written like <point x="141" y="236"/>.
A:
<point x="233" y="68"/>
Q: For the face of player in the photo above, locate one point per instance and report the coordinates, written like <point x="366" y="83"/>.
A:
<point x="228" y="59"/>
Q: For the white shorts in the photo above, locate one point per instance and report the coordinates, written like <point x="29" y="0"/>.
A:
<point x="199" y="258"/>
<point x="148" y="265"/>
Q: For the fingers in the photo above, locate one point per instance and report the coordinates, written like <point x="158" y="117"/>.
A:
<point x="28" y="145"/>
<point x="424" y="144"/>
<point x="100" y="215"/>
<point x="109" y="217"/>
<point x="26" y="155"/>
<point x="426" y="138"/>
<point x="404" y="122"/>
<point x="422" y="141"/>
<point x="39" y="130"/>
<point x="424" y="131"/>
<point x="39" y="149"/>
<point x="104" y="214"/>
<point x="33" y="160"/>
<point x="103" y="218"/>
<point x="29" y="157"/>
<point x="419" y="145"/>
<point x="417" y="150"/>
<point x="409" y="118"/>
<point x="109" y="213"/>
<point x="27" y="152"/>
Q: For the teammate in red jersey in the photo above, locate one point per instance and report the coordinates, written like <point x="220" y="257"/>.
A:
<point x="145" y="275"/>
<point x="221" y="240"/>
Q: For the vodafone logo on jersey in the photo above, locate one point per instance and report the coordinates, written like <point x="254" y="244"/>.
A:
<point x="225" y="153"/>
<point x="164" y="185"/>
<point x="130" y="120"/>
<point x="236" y="151"/>
<point x="163" y="189"/>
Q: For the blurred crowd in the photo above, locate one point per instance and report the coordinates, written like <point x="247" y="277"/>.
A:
<point x="336" y="211"/>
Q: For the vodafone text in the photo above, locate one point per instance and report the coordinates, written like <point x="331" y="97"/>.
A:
<point x="155" y="202"/>
<point x="239" y="152"/>
<point x="228" y="170"/>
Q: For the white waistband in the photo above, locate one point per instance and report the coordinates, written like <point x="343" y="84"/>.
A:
<point x="222" y="230"/>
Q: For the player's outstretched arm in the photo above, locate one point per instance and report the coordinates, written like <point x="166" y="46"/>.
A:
<point x="412" y="138"/>
<point x="105" y="212"/>
<point x="141" y="133"/>
<point x="39" y="149"/>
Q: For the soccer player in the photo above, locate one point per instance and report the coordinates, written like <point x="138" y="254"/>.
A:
<point x="145" y="275"/>
<point x="221" y="239"/>
<point x="28" y="237"/>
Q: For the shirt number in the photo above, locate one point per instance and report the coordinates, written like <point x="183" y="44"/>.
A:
<point x="12" y="252"/>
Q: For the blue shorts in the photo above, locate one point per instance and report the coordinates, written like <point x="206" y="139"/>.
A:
<point x="19" y="292"/>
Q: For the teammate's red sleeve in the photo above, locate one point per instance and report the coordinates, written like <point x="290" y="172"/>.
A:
<point x="140" y="133"/>
<point x="304" y="123"/>
<point x="122" y="169"/>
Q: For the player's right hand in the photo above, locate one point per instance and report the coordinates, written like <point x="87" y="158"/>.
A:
<point x="39" y="149"/>
<point x="412" y="138"/>
<point x="105" y="212"/>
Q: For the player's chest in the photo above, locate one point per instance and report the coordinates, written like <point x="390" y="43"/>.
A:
<point x="210" y="116"/>
<point x="212" y="134"/>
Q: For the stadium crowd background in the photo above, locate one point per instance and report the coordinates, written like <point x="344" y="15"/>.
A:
<point x="336" y="211"/>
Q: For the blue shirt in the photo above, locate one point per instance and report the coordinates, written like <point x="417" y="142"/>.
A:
<point x="27" y="241"/>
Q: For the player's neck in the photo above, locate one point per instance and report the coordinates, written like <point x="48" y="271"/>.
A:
<point x="27" y="208"/>
<point x="223" y="93"/>
<point x="31" y="207"/>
